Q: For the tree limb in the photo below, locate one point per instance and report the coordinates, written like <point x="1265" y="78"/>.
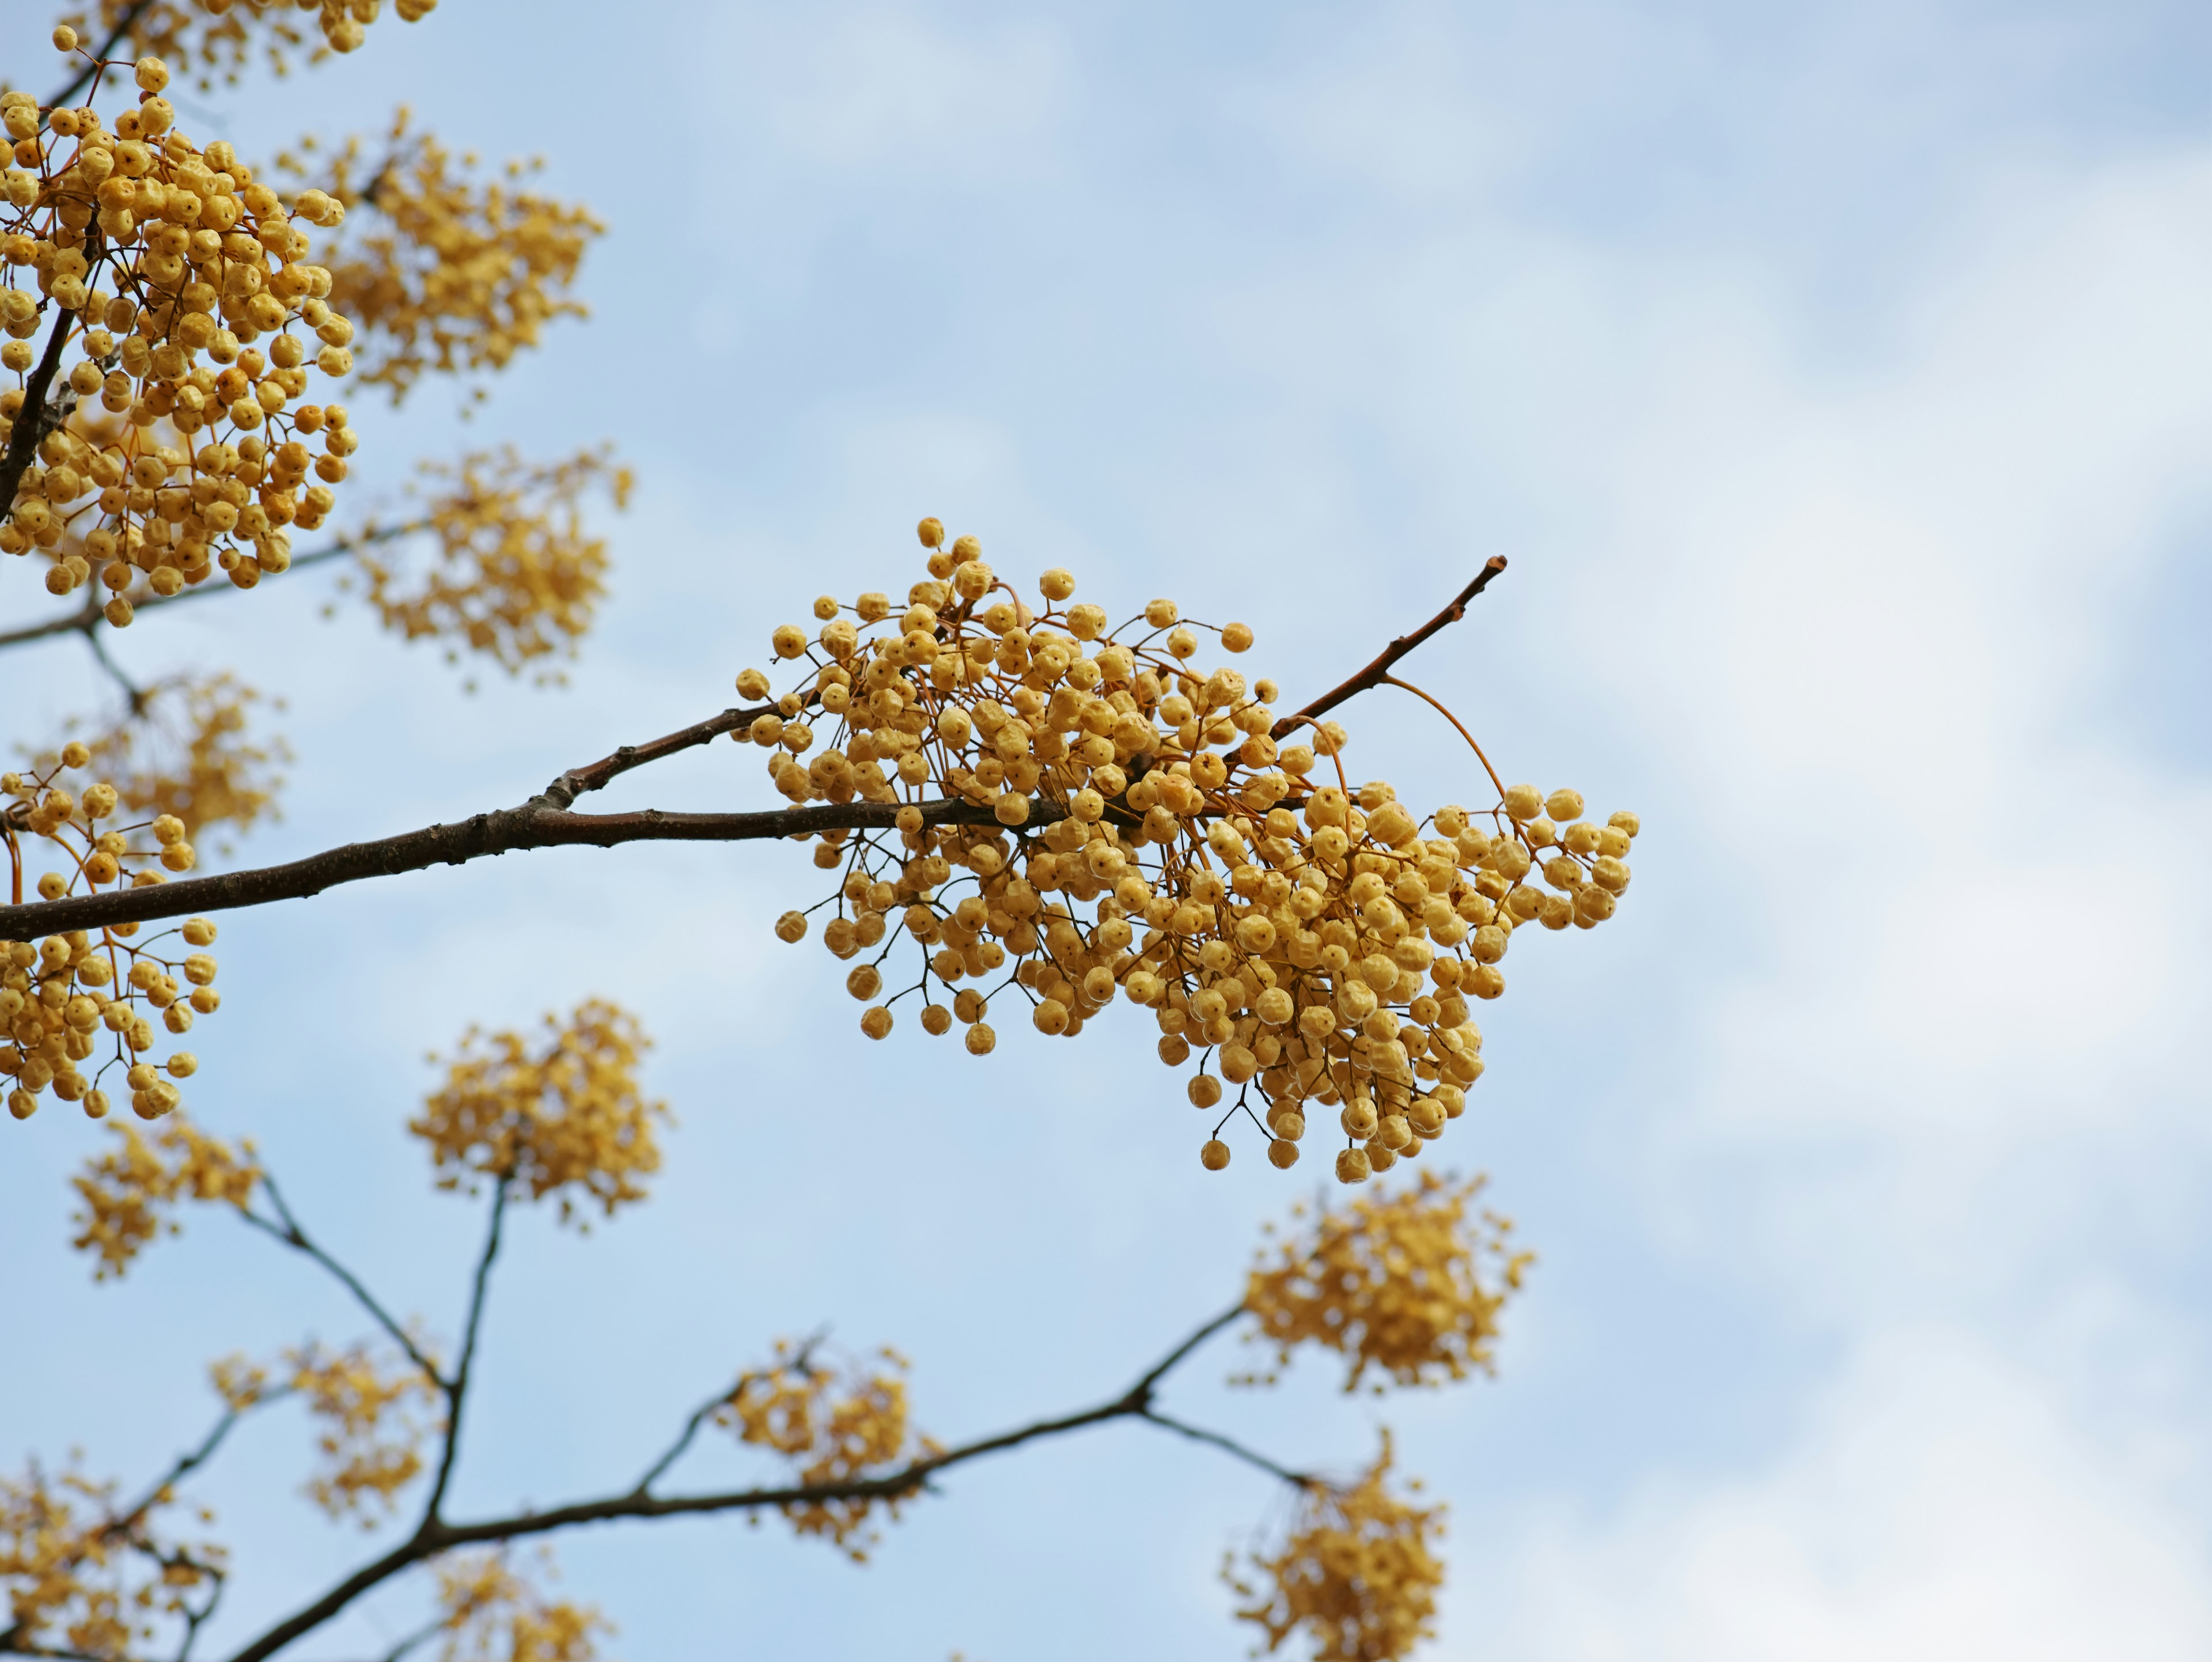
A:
<point x="506" y="831"/>
<point x="456" y="1388"/>
<point x="1373" y="675"/>
<point x="84" y="620"/>
<point x="436" y="1537"/>
<point x="546" y="822"/>
<point x="32" y="417"/>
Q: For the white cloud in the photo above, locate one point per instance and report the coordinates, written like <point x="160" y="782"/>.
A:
<point x="1938" y="1507"/>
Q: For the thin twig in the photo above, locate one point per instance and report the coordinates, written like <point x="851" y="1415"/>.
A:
<point x="435" y="1538"/>
<point x="699" y="1417"/>
<point x="1373" y="674"/>
<point x="116" y="36"/>
<point x="292" y="1235"/>
<point x="1214" y="1438"/>
<point x="195" y="1619"/>
<point x="1142" y="1390"/>
<point x="456" y="1389"/>
<point x="421" y="1636"/>
<point x="190" y="1461"/>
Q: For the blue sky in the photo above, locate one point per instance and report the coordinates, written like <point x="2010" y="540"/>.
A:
<point x="1836" y="380"/>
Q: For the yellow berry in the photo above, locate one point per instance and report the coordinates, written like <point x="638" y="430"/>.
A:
<point x="980" y="1039"/>
<point x="1214" y="1155"/>
<point x="931" y="530"/>
<point x="876" y="1021"/>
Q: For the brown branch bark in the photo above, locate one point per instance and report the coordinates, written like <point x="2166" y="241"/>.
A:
<point x="508" y="830"/>
<point x="544" y="822"/>
<point x="1374" y="674"/>
<point x="31" y="418"/>
<point x="457" y="1390"/>
<point x="85" y="619"/>
<point x="435" y="1538"/>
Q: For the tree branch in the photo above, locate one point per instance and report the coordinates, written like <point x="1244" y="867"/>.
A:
<point x="546" y="822"/>
<point x="699" y="1416"/>
<point x="1374" y="673"/>
<point x="436" y="1537"/>
<point x="1215" y="1440"/>
<point x="84" y="620"/>
<point x="565" y="790"/>
<point x="456" y="1389"/>
<point x="32" y="417"/>
<point x="506" y="831"/>
<point x="192" y="1460"/>
<point x="291" y="1234"/>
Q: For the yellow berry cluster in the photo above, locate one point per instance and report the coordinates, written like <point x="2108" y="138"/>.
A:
<point x="194" y="348"/>
<point x="58" y="995"/>
<point x="129" y="1193"/>
<point x="491" y="1614"/>
<point x="86" y="1576"/>
<point x="183" y="750"/>
<point x="1308" y="940"/>
<point x="459" y="275"/>
<point x="210" y="38"/>
<point x="1358" y="1572"/>
<point x="518" y="577"/>
<point x="565" y="1118"/>
<point x="375" y="1416"/>
<point x="1394" y="1282"/>
<point x="834" y="1421"/>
